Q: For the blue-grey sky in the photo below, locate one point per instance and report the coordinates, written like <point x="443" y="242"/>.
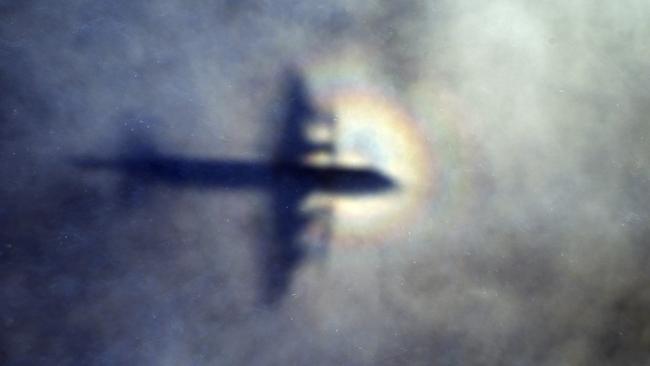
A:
<point x="530" y="250"/>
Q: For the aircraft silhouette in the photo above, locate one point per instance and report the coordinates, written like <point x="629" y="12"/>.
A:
<point x="288" y="178"/>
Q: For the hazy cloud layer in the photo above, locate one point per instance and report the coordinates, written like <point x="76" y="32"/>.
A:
<point x="544" y="264"/>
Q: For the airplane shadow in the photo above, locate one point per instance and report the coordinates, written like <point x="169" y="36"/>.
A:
<point x="285" y="177"/>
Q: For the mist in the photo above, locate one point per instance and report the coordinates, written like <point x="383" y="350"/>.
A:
<point x="533" y="251"/>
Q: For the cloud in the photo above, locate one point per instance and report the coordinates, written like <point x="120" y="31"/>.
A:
<point x="538" y="259"/>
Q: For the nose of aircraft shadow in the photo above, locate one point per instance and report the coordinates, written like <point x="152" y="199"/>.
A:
<point x="363" y="181"/>
<point x="381" y="182"/>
